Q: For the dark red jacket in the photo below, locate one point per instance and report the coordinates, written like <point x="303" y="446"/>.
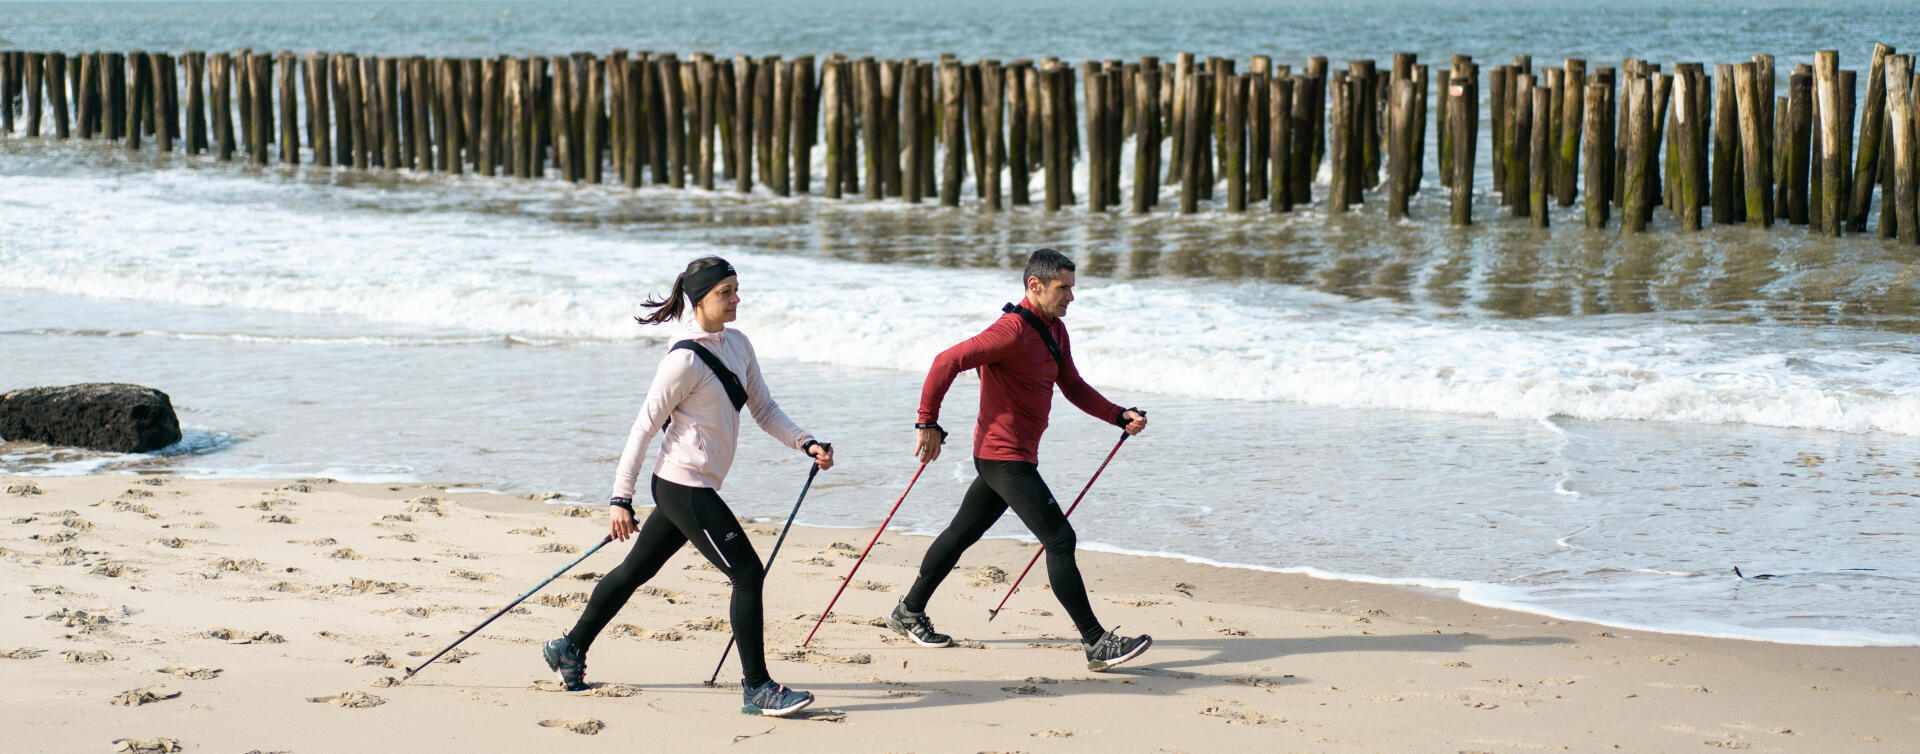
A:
<point x="1017" y="375"/>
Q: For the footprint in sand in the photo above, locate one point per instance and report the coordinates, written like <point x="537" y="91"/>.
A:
<point x="587" y="576"/>
<point x="626" y="631"/>
<point x="137" y="697"/>
<point x="1052" y="733"/>
<point x="196" y="674"/>
<point x="555" y="547"/>
<point x="578" y="511"/>
<point x="248" y="565"/>
<point x="816" y="561"/>
<point x="23" y="653"/>
<point x="401" y="518"/>
<point x="568" y="599"/>
<point x="385" y="681"/>
<point x="709" y="623"/>
<point x="88" y="657"/>
<point x="1025" y="690"/>
<point x="349" y="700"/>
<point x="277" y="518"/>
<point x="462" y="573"/>
<point x="346" y="553"/>
<point x="123" y="506"/>
<point x="146" y="745"/>
<point x="176" y="543"/>
<point x="321" y="542"/>
<point x="234" y="636"/>
<point x="24" y="489"/>
<point x="585" y="726"/>
<point x="1239" y="716"/>
<point x="538" y="531"/>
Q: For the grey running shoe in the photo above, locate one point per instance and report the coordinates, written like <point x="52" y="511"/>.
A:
<point x="916" y="626"/>
<point x="773" y="700"/>
<point x="567" y="660"/>
<point x="1114" y="649"/>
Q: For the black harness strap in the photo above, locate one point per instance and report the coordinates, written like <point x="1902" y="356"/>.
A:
<point x="1046" y="336"/>
<point x="735" y="392"/>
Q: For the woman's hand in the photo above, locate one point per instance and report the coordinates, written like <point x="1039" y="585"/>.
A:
<point x="621" y="521"/>
<point x="822" y="455"/>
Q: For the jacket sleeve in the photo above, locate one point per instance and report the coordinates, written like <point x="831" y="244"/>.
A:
<point x="991" y="345"/>
<point x="1079" y="392"/>
<point x="671" y="384"/>
<point x="765" y="411"/>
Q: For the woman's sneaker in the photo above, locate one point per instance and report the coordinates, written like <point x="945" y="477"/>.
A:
<point x="1114" y="649"/>
<point x="916" y="626"/>
<point x="773" y="700"/>
<point x="567" y="660"/>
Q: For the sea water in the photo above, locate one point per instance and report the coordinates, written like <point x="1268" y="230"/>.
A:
<point x="1572" y="423"/>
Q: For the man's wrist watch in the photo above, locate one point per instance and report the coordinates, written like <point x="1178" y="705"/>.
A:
<point x="932" y="426"/>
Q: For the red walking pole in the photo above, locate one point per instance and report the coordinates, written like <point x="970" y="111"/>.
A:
<point x="863" y="555"/>
<point x="995" y="612"/>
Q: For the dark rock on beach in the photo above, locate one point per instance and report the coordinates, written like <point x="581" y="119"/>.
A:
<point x="102" y="416"/>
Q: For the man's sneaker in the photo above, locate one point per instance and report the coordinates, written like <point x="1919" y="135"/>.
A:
<point x="773" y="700"/>
<point x="567" y="660"/>
<point x="917" y="627"/>
<point x="1114" y="649"/>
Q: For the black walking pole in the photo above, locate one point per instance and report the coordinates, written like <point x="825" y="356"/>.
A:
<point x="776" y="551"/>
<point x="510" y="606"/>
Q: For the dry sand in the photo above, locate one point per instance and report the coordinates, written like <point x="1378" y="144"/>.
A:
<point x="147" y="613"/>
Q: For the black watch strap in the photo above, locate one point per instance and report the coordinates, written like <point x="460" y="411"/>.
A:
<point x="932" y="425"/>
<point x="622" y="502"/>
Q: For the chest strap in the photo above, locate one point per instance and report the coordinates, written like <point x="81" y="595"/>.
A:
<point x="1046" y="336"/>
<point x="735" y="392"/>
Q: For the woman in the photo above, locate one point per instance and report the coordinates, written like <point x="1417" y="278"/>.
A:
<point x="698" y="413"/>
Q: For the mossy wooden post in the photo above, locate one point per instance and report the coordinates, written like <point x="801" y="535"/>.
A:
<point x="1900" y="111"/>
<point x="1461" y="109"/>
<point x="673" y="104"/>
<point x="1833" y="135"/>
<point x="580" y="82"/>
<point x="452" y="90"/>
<point x="561" y="113"/>
<point x="1177" y="116"/>
<point x="592" y="121"/>
<point x="851" y="98"/>
<point x="289" y="109"/>
<point x="653" y="115"/>
<point x="1566" y="168"/>
<point x="56" y="76"/>
<point x="1500" y="114"/>
<point x="1400" y="152"/>
<point x="491" y="91"/>
<point x="1595" y="111"/>
<point x="9" y="91"/>
<point x="1763" y="79"/>
<point x="1686" y="122"/>
<point x="371" y="108"/>
<point x="220" y="80"/>
<point x="260" y="73"/>
<point x="1661" y="85"/>
<point x="1889" y="213"/>
<point x="1754" y="157"/>
<point x="512" y="128"/>
<point x="782" y="123"/>
<point x="1798" y="143"/>
<point x="993" y="97"/>
<point x="1234" y="144"/>
<point x="395" y="120"/>
<point x="706" y="117"/>
<point x="425" y="99"/>
<point x="763" y="81"/>
<point x="913" y="180"/>
<point x="319" y="107"/>
<point x="167" y="88"/>
<point x="1339" y="142"/>
<point x="804" y="110"/>
<point x="160" y="102"/>
<point x="1867" y="158"/>
<point x="639" y="73"/>
<point x="80" y="67"/>
<point x="351" y="104"/>
<point x="113" y="94"/>
<point x="1300" y="124"/>
<point x="615" y="72"/>
<point x="1094" y="83"/>
<point x="1146" y="136"/>
<point x="1019" y="115"/>
<point x="1728" y="187"/>
<point x="1190" y="158"/>
<point x="830" y="96"/>
<point x="1540" y="156"/>
<point x="745" y="81"/>
<point x="1259" y="127"/>
<point x="135" y="81"/>
<point x="334" y="77"/>
<point x="887" y="117"/>
<point x="1366" y="127"/>
<point x="1282" y="98"/>
<point x="1634" y="212"/>
<point x="193" y="65"/>
<point x="953" y="134"/>
<point x="873" y="127"/>
<point x="1317" y="102"/>
<point x="1520" y="168"/>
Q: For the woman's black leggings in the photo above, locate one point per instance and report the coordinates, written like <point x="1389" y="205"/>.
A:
<point x="1017" y="485"/>
<point x="682" y="514"/>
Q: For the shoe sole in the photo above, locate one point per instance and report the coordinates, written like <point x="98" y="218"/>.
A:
<point x="752" y="710"/>
<point x="901" y="629"/>
<point x="1098" y="666"/>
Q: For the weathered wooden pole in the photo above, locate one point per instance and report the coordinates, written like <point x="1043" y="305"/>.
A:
<point x="673" y="104"/>
<point x="1177" y="117"/>
<point x="1833" y="136"/>
<point x="289" y="110"/>
<point x="869" y="101"/>
<point x="953" y="134"/>
<point x="1283" y="142"/>
<point x="1540" y="157"/>
<point x="1094" y="83"/>
<point x="562" y="113"/>
<point x="1662" y="88"/>
<point x="1764" y="78"/>
<point x="1400" y="154"/>
<point x="1365" y="129"/>
<point x="993" y="98"/>
<point x="137" y="89"/>
<point x="319" y="125"/>
<point x="353" y="115"/>
<point x="707" y="116"/>
<point x="805" y="112"/>
<point x="1905" y="145"/>
<point x="492" y="90"/>
<point x="394" y="118"/>
<point x="1566" y="168"/>
<point x="1020" y="115"/>
<point x="831" y="84"/>
<point x="8" y="93"/>
<point x="373" y="111"/>
<point x="194" y="65"/>
<point x="1796" y="178"/>
<point x="1500" y="114"/>
<point x="1728" y="187"/>
<point x="1520" y="167"/>
<point x="221" y="81"/>
<point x="1755" y="158"/>
<point x="851" y="98"/>
<point x="1686" y="121"/>
<point x="1636" y="194"/>
<point x="1461" y="109"/>
<point x="782" y="123"/>
<point x="1189" y="157"/>
<point x="1598" y="201"/>
<point x="1235" y="144"/>
<point x="56" y="76"/>
<point x="1317" y="107"/>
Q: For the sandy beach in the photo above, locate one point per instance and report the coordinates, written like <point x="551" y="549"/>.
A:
<point x="147" y="613"/>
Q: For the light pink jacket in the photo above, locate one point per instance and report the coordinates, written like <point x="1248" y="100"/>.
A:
<point x="699" y="443"/>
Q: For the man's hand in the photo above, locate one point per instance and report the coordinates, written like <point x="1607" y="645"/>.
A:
<point x="1136" y="421"/>
<point x="621" y="520"/>
<point x="928" y="447"/>
<point x="822" y="455"/>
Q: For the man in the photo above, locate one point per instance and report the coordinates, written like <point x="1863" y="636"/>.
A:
<point x="1020" y="358"/>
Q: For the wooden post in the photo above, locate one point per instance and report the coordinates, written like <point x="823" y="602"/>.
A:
<point x="1317" y="102"/>
<point x="196" y="123"/>
<point x="422" y="93"/>
<point x="136" y="90"/>
<point x="1906" y="183"/>
<point x="491" y="92"/>
<point x="1566" y="168"/>
<point x="1763" y="79"/>
<point x="1833" y="136"/>
<point x="565" y="148"/>
<point x="1234" y="146"/>
<point x="289" y="111"/>
<point x="913" y="181"/>
<point x="1366" y="127"/>
<point x="1798" y="143"/>
<point x="1189" y="157"/>
<point x="1461" y="109"/>
<point x="369" y="105"/>
<point x="1520" y="169"/>
<point x="851" y="98"/>
<point x="393" y="115"/>
<point x="1020" y="76"/>
<point x="1259" y="126"/>
<point x="1540" y="156"/>
<point x="1501" y="114"/>
<point x="804" y="110"/>
<point x="708" y="114"/>
<point x="744" y="84"/>
<point x="1636" y="195"/>
<point x="1662" y="87"/>
<point x="1285" y="142"/>
<point x="1867" y="159"/>
<point x="1146" y="136"/>
<point x="952" y="136"/>
<point x="1752" y="146"/>
<point x="763" y="80"/>
<point x="1686" y="121"/>
<point x="319" y="125"/>
<point x="1094" y="84"/>
<point x="1177" y="117"/>
<point x="8" y="93"/>
<point x="673" y="103"/>
<point x="1340" y="137"/>
<point x="591" y="120"/>
<point x="56" y="76"/>
<point x="1400" y="154"/>
<point x="887" y="117"/>
<point x="830" y="98"/>
<point x="221" y="81"/>
<point x="1728" y="187"/>
<point x="993" y="97"/>
<point x="260" y="135"/>
<point x="782" y="124"/>
<point x="1598" y="202"/>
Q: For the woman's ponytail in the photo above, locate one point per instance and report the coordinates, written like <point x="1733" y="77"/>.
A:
<point x="670" y="308"/>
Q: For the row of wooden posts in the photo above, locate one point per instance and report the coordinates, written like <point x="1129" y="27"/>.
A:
<point x="1736" y="151"/>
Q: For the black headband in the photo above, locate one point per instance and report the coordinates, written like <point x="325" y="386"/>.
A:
<point x="699" y="282"/>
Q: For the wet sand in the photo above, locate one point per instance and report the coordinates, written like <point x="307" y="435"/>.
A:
<point x="237" y="615"/>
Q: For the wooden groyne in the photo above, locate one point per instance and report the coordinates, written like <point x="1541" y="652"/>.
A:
<point x="1706" y="145"/>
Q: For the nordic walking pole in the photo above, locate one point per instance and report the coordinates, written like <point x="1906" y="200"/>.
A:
<point x="776" y="551"/>
<point x="510" y="606"/>
<point x="863" y="555"/>
<point x="995" y="612"/>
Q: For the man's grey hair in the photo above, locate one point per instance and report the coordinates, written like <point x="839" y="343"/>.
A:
<point x="1047" y="264"/>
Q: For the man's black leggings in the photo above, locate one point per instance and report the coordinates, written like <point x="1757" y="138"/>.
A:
<point x="1017" y="485"/>
<point x="686" y="514"/>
